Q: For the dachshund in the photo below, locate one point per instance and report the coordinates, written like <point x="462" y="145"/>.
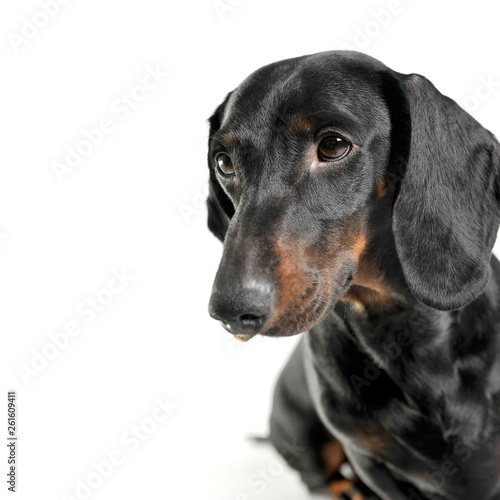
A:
<point x="359" y="207"/>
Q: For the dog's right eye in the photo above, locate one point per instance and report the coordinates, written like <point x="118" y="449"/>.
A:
<point x="224" y="164"/>
<point x="333" y="147"/>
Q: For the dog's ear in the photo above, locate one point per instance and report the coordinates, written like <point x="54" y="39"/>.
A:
<point x="220" y="207"/>
<point x="446" y="214"/>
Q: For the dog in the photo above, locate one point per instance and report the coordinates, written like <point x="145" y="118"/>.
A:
<point x="360" y="205"/>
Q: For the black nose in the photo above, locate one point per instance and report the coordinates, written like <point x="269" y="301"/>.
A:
<point x="244" y="309"/>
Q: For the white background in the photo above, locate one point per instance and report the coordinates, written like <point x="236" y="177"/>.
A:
<point x="136" y="203"/>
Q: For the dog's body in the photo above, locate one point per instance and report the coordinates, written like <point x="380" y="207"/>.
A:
<point x="361" y="205"/>
<point x="389" y="390"/>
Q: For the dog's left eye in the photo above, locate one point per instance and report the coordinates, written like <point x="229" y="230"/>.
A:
<point x="224" y="164"/>
<point x="333" y="148"/>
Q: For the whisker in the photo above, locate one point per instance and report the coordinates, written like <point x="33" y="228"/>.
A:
<point x="321" y="270"/>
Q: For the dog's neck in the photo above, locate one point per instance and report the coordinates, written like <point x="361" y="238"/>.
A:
<point x="379" y="308"/>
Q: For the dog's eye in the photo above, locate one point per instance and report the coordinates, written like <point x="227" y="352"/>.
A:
<point x="224" y="164"/>
<point x="332" y="148"/>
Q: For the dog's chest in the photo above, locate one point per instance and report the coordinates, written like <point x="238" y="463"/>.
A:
<point x="364" y="406"/>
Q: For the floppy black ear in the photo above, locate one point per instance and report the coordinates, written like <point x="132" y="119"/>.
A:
<point x="220" y="207"/>
<point x="446" y="215"/>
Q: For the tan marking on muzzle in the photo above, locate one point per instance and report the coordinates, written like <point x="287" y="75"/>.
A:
<point x="300" y="267"/>
<point x="290" y="279"/>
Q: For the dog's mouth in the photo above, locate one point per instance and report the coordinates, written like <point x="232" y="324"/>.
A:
<point x="281" y="297"/>
<point x="308" y="310"/>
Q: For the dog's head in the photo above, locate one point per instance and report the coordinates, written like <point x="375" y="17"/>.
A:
<point x="317" y="162"/>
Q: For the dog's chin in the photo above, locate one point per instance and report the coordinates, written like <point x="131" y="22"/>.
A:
<point x="290" y="324"/>
<point x="297" y="324"/>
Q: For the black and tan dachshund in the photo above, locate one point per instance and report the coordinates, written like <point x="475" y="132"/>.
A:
<point x="360" y="205"/>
